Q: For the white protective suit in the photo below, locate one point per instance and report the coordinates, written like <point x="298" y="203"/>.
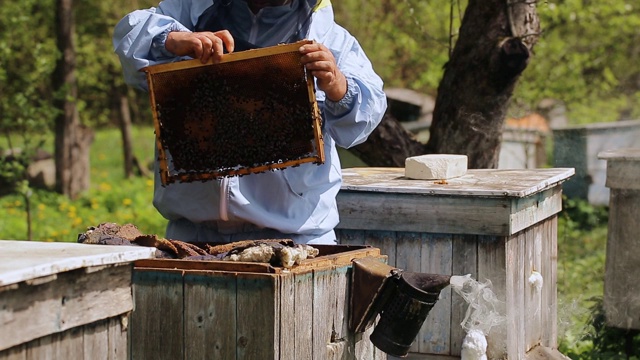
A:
<point x="297" y="203"/>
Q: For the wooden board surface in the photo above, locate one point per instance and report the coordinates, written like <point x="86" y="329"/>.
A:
<point x="479" y="182"/>
<point x="68" y="301"/>
<point x="27" y="260"/>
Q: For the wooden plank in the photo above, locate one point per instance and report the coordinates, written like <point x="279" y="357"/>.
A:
<point x="96" y="339"/>
<point x="549" y="290"/>
<point x="348" y="236"/>
<point x="531" y="210"/>
<point x="304" y="312"/>
<point x="206" y="265"/>
<point x="287" y="317"/>
<point x="434" y="214"/>
<point x="364" y="348"/>
<point x="408" y="258"/>
<point x="341" y="283"/>
<point x="492" y="259"/>
<point x="476" y="183"/>
<point x="258" y="328"/>
<point x="157" y="325"/>
<point x="464" y="260"/>
<point x="118" y="347"/>
<point x="74" y="299"/>
<point x="41" y="349"/>
<point x="210" y="315"/>
<point x="27" y="260"/>
<point x="385" y="241"/>
<point x="533" y="296"/>
<point x="515" y="296"/>
<point x="18" y="352"/>
<point x="620" y="289"/>
<point x="69" y="344"/>
<point x="227" y="58"/>
<point x="322" y="320"/>
<point x="437" y="258"/>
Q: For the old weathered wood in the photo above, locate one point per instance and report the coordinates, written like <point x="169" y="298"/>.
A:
<point x="491" y="266"/>
<point x="105" y="339"/>
<point x="208" y="315"/>
<point x="96" y="338"/>
<point x="506" y="258"/>
<point x="464" y="260"/>
<point x="515" y="296"/>
<point x="302" y="313"/>
<point x="157" y="334"/>
<point x="501" y="202"/>
<point x="50" y="258"/>
<point x="321" y="310"/>
<point x="118" y="332"/>
<point x="71" y="301"/>
<point x="258" y="327"/>
<point x="621" y="291"/>
<point x="437" y="258"/>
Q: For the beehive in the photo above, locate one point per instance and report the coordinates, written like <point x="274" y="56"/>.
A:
<point x="252" y="112"/>
<point x="237" y="310"/>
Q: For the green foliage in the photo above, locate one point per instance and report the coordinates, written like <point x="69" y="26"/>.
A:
<point x="408" y="41"/>
<point x="603" y="342"/>
<point x="582" y="236"/>
<point x="112" y="198"/>
<point x="588" y="56"/>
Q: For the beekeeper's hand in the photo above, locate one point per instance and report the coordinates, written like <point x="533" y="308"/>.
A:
<point x="200" y="45"/>
<point x="320" y="61"/>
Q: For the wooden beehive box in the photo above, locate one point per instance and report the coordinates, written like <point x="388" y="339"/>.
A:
<point x="621" y="290"/>
<point x="252" y="112"/>
<point x="497" y="225"/>
<point x="65" y="300"/>
<point x="227" y="310"/>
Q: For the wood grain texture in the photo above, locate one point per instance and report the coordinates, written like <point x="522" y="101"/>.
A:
<point x="73" y="299"/>
<point x="157" y="334"/>
<point x="437" y="258"/>
<point x="258" y="325"/>
<point x="304" y="315"/>
<point x="465" y="259"/>
<point x="210" y="315"/>
<point x="50" y="258"/>
<point x="621" y="291"/>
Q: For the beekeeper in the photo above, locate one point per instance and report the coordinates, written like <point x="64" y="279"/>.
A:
<point x="297" y="203"/>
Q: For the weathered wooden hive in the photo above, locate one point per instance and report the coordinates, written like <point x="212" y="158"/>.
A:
<point x="252" y="112"/>
<point x="239" y="310"/>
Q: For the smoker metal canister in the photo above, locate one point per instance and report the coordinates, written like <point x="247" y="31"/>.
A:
<point x="406" y="310"/>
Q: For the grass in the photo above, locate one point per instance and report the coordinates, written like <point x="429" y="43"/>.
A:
<point x="582" y="233"/>
<point x="111" y="197"/>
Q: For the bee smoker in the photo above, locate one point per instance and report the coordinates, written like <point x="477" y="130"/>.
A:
<point x="402" y="299"/>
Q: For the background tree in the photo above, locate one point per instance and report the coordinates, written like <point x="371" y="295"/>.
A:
<point x="72" y="139"/>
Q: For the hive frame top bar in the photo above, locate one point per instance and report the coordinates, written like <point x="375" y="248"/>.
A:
<point x="235" y="56"/>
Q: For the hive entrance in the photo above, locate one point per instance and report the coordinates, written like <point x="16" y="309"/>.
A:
<point x="252" y="112"/>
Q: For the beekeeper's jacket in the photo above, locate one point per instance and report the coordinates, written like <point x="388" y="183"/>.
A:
<point x="297" y="202"/>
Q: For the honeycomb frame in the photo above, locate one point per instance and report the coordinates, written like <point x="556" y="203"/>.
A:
<point x="252" y="112"/>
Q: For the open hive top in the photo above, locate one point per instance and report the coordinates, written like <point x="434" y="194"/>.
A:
<point x="252" y="112"/>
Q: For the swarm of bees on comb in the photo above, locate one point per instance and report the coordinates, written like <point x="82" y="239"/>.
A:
<point x="254" y="111"/>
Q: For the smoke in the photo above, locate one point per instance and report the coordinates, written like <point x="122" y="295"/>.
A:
<point x="485" y="314"/>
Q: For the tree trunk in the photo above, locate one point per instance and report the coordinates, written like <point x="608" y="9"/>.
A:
<point x="389" y="145"/>
<point x="72" y="140"/>
<point x="125" y="129"/>
<point x="496" y="38"/>
<point x="494" y="46"/>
